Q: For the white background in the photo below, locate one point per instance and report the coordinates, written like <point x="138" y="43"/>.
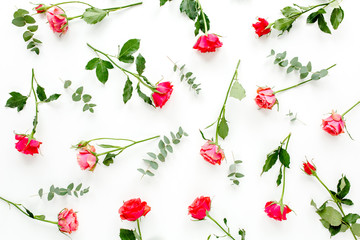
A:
<point x="185" y="175"/>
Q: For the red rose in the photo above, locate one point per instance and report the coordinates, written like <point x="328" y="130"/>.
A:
<point x="273" y="210"/>
<point x="165" y="90"/>
<point x="133" y="209"/>
<point x="261" y="27"/>
<point x="199" y="207"/>
<point x="265" y="98"/>
<point x="25" y="146"/>
<point x="212" y="153"/>
<point x="40" y="9"/>
<point x="334" y="124"/>
<point x="208" y="43"/>
<point x="57" y="20"/>
<point x="308" y="168"/>
<point x="68" y="222"/>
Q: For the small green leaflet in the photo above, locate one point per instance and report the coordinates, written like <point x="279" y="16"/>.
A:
<point x="109" y="159"/>
<point x="94" y="15"/>
<point x="351" y="218"/>
<point x="270" y="160"/>
<point x="128" y="89"/>
<point x="190" y="8"/>
<point x="290" y="12"/>
<point x="343" y="187"/>
<point x="40" y="91"/>
<point x="140" y="64"/>
<point x="223" y="128"/>
<point x="129" y="48"/>
<point x="200" y="25"/>
<point x="17" y="100"/>
<point x="337" y="16"/>
<point x="237" y="91"/>
<point x="143" y="96"/>
<point x="162" y="2"/>
<point x="126" y="234"/>
<point x="284" y="157"/>
<point x="101" y="66"/>
<point x="283" y="24"/>
<point x="323" y="25"/>
<point x="332" y="216"/>
<point x="356" y="229"/>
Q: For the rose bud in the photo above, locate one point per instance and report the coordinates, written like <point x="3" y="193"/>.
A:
<point x="86" y="158"/>
<point x="199" y="207"/>
<point x="68" y="222"/>
<point x="334" y="124"/>
<point x="273" y="210"/>
<point x="41" y="8"/>
<point x="266" y="98"/>
<point x="212" y="153"/>
<point x="261" y="27"/>
<point x="309" y="168"/>
<point x="208" y="43"/>
<point x="164" y="91"/>
<point x="25" y="146"/>
<point x="133" y="209"/>
<point x="57" y="20"/>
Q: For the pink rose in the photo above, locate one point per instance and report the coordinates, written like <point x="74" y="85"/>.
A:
<point x="208" y="43"/>
<point x="86" y="159"/>
<point x="273" y="210"/>
<point x="212" y="153"/>
<point x="57" y="20"/>
<point x="334" y="124"/>
<point x="68" y="222"/>
<point x="265" y="98"/>
<point x="165" y="90"/>
<point x="133" y="209"/>
<point x="25" y="146"/>
<point x="199" y="207"/>
<point x="261" y="27"/>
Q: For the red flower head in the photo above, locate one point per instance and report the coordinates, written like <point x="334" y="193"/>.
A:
<point x="266" y="98"/>
<point x="68" y="222"/>
<point x="86" y="158"/>
<point x="334" y="124"/>
<point x="273" y="210"/>
<point x="57" y="20"/>
<point x="212" y="153"/>
<point x="40" y="8"/>
<point x="208" y="43"/>
<point x="165" y="90"/>
<point x="133" y="209"/>
<point x="25" y="146"/>
<point x="199" y="207"/>
<point x="309" y="168"/>
<point x="261" y="27"/>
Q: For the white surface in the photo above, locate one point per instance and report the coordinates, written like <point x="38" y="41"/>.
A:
<point x="185" y="176"/>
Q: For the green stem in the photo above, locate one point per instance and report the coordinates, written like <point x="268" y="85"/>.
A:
<point x="336" y="201"/>
<point x="311" y="8"/>
<point x="350" y="109"/>
<point x="36" y="106"/>
<point x="119" y="139"/>
<point x="152" y="88"/>
<point x="57" y="4"/>
<point x="222" y="112"/>
<point x="296" y="85"/>
<point x="203" y="16"/>
<point x="287" y="139"/>
<point x="226" y="232"/>
<point x="27" y="214"/>
<point x="138" y="225"/>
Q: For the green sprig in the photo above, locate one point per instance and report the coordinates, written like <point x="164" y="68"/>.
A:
<point x="78" y="96"/>
<point x="188" y="77"/>
<point x="69" y="190"/>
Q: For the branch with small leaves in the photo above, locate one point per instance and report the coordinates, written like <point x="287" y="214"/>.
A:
<point x="78" y="96"/>
<point x="165" y="147"/>
<point x="188" y="77"/>
<point x="69" y="190"/>
<point x="234" y="174"/>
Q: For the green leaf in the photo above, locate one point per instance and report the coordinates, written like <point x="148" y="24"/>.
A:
<point x="20" y="13"/>
<point x="128" y="90"/>
<point x="189" y="7"/>
<point x="140" y="64"/>
<point x="161" y="157"/>
<point x="200" y="24"/>
<point x="129" y="48"/>
<point x="166" y="140"/>
<point x="279" y="178"/>
<point x="303" y="72"/>
<point x="141" y="170"/>
<point x="40" y="217"/>
<point x="29" y="19"/>
<point x="284" y="63"/>
<point x="67" y="84"/>
<point x="37" y="40"/>
<point x="143" y="96"/>
<point x="356" y="229"/>
<point x="237" y="91"/>
<point x="323" y="25"/>
<point x="86" y="98"/>
<point x="92" y="64"/>
<point x="149" y="173"/>
<point x="109" y="159"/>
<point x="242" y="233"/>
<point x="313" y="17"/>
<point x="161" y="144"/>
<point x="337" y="16"/>
<point x="239" y="175"/>
<point x="283" y="24"/>
<point x="52" y="97"/>
<point x="31" y="45"/>
<point x="50" y="196"/>
<point x="70" y="187"/>
<point x="152" y="155"/>
<point x="351" y="218"/>
<point x="27" y="35"/>
<point x="309" y="67"/>
<point x="312" y="203"/>
<point x="290" y="69"/>
<point x="102" y="70"/>
<point x="40" y="92"/>
<point x="343" y="187"/>
<point x="62" y="191"/>
<point x="30" y="213"/>
<point x="332" y="216"/>
<point x="334" y="230"/>
<point x="290" y="12"/>
<point x="323" y="73"/>
<point x="79" y="90"/>
<point x="41" y="192"/>
<point x="270" y="160"/>
<point x="347" y="202"/>
<point x="17" y="100"/>
<point x="169" y="148"/>
<point x="19" y="21"/>
<point x="126" y="234"/>
<point x="78" y="187"/>
<point x="33" y="28"/>
<point x="153" y="164"/>
<point x="93" y="15"/>
<point x="36" y="50"/>
<point x="223" y="128"/>
<point x="315" y="76"/>
<point x="162" y="2"/>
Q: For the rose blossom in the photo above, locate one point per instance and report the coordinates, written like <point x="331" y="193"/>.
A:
<point x="68" y="222"/>
<point x="199" y="207"/>
<point x="334" y="124"/>
<point x="212" y="153"/>
<point x="133" y="209"/>
<point x="265" y="98"/>
<point x="309" y="168"/>
<point x="273" y="210"/>
<point x="208" y="43"/>
<point x="86" y="158"/>
<point x="261" y="27"/>
<point x="165" y="90"/>
<point x="57" y="20"/>
<point x="24" y="146"/>
<point x="40" y="8"/>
